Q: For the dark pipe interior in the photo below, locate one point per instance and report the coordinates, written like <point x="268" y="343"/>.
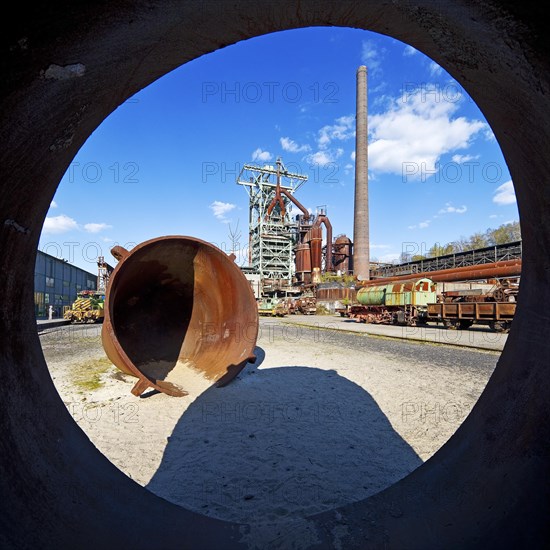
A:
<point x="180" y="304"/>
<point x="152" y="305"/>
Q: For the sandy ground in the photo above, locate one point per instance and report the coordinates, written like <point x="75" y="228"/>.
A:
<point x="324" y="418"/>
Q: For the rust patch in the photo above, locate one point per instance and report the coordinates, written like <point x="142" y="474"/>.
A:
<point x="178" y="309"/>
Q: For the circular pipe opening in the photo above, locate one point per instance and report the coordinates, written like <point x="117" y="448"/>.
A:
<point x="497" y="450"/>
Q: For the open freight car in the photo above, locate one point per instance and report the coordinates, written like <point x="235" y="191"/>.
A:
<point x="462" y="315"/>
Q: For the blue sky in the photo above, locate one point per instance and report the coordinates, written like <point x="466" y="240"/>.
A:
<point x="165" y="162"/>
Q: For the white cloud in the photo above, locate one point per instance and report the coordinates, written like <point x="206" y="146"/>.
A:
<point x="96" y="227"/>
<point x="421" y="225"/>
<point x="450" y="209"/>
<point x="493" y="216"/>
<point x="505" y="194"/>
<point x="290" y="145"/>
<point x="53" y="204"/>
<point x="220" y="209"/>
<point x="381" y="101"/>
<point x="64" y="224"/>
<point x="409" y="50"/>
<point x="460" y="159"/>
<point x="371" y="56"/>
<point x="434" y="68"/>
<point x="322" y="158"/>
<point x="489" y="136"/>
<point x="258" y="154"/>
<point x="59" y="224"/>
<point x="415" y="132"/>
<point x="352" y="156"/>
<point x="342" y="129"/>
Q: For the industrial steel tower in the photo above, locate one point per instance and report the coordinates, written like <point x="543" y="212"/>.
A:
<point x="361" y="260"/>
<point x="272" y="228"/>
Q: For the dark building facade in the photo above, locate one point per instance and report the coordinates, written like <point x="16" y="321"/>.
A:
<point x="56" y="283"/>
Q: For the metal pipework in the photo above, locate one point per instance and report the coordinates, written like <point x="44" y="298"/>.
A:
<point x="473" y="274"/>
<point x="293" y="199"/>
<point x="323" y="219"/>
<point x="507" y="268"/>
<point x="277" y="199"/>
<point x="178" y="308"/>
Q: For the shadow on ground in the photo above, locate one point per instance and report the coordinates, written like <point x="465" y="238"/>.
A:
<point x="280" y="442"/>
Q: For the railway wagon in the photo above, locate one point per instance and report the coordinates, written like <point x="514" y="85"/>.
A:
<point x="415" y="302"/>
<point x="462" y="315"/>
<point x="395" y="303"/>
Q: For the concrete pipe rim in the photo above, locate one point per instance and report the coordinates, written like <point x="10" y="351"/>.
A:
<point x="390" y="513"/>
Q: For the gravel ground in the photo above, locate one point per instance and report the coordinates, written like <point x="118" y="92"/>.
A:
<point x="323" y="418"/>
<point x="479" y="336"/>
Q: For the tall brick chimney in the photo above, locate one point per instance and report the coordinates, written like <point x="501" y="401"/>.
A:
<point x="361" y="249"/>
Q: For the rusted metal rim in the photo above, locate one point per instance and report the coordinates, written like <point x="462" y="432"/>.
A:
<point x="178" y="304"/>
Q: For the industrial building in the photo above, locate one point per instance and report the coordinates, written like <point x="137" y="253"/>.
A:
<point x="272" y="228"/>
<point x="56" y="283"/>
<point x="289" y="252"/>
<point x="286" y="251"/>
<point x="294" y="254"/>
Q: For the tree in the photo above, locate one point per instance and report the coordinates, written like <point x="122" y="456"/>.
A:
<point x="235" y="237"/>
<point x="478" y="240"/>
<point x="439" y="250"/>
<point x="506" y="233"/>
<point x="460" y="245"/>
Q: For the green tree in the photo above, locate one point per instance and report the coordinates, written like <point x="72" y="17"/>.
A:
<point x="461" y="244"/>
<point x="439" y="250"/>
<point x="506" y="233"/>
<point x="478" y="240"/>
